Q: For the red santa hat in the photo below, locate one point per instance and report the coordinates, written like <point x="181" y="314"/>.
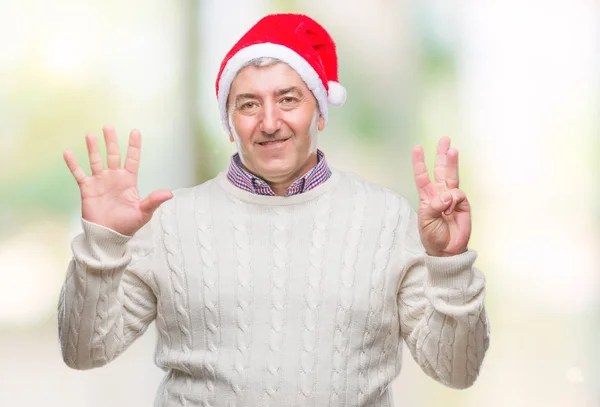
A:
<point x="296" y="40"/>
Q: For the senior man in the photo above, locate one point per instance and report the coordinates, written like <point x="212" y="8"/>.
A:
<point x="281" y="281"/>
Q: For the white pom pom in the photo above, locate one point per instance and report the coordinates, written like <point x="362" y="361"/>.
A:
<point x="337" y="94"/>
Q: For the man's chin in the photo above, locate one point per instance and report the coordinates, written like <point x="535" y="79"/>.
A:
<point x="275" y="174"/>
<point x="275" y="170"/>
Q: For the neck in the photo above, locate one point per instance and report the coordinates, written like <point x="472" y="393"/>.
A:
<point x="281" y="188"/>
<point x="280" y="185"/>
<point x="253" y="198"/>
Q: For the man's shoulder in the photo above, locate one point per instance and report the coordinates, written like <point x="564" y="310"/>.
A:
<point x="371" y="189"/>
<point x="193" y="192"/>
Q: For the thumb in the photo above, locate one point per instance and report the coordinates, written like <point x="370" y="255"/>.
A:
<point x="154" y="200"/>
<point x="438" y="205"/>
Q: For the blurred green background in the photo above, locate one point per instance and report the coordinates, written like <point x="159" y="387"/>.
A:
<point x="514" y="84"/>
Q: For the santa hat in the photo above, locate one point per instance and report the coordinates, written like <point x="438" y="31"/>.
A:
<point x="296" y="40"/>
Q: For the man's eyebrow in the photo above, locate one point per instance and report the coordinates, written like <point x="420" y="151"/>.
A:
<point x="289" y="90"/>
<point x="278" y="92"/>
<point x="245" y="96"/>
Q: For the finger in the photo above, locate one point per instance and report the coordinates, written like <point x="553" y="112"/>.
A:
<point x="452" y="169"/>
<point x="94" y="154"/>
<point x="154" y="200"/>
<point x="439" y="171"/>
<point x="438" y="205"/>
<point x="132" y="161"/>
<point x="457" y="198"/>
<point x="76" y="170"/>
<point x="420" y="171"/>
<point x="113" y="156"/>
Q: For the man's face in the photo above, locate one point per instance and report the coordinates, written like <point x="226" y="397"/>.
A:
<point x="274" y="120"/>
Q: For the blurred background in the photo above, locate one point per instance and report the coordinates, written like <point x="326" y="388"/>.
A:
<point x="515" y="84"/>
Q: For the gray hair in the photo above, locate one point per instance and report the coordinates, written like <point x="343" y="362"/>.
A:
<point x="262" y="61"/>
<point x="258" y="62"/>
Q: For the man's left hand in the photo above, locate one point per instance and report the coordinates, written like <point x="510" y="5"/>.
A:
<point x="444" y="211"/>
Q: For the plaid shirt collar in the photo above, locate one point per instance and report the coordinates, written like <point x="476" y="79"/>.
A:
<point x="241" y="178"/>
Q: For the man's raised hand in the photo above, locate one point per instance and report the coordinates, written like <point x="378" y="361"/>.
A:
<point x="444" y="211"/>
<point x="109" y="196"/>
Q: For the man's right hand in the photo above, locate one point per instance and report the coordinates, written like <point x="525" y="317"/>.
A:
<point x="109" y="197"/>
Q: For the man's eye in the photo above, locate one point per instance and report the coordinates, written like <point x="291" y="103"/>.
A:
<point x="288" y="99"/>
<point x="248" y="105"/>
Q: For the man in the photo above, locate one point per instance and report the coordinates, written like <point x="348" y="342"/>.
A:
<point x="280" y="282"/>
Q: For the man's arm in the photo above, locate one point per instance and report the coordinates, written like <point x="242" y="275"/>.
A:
<point x="442" y="313"/>
<point x="105" y="304"/>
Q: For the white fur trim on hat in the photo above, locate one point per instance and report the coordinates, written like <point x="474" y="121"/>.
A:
<point x="285" y="54"/>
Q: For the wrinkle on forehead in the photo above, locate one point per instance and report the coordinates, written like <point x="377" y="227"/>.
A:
<point x="263" y="81"/>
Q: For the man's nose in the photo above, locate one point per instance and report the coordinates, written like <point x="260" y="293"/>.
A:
<point x="271" y="118"/>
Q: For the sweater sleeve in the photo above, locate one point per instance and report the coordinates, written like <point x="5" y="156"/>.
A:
<point x="105" y="304"/>
<point x="442" y="313"/>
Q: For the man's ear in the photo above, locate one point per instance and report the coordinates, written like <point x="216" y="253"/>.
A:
<point x="321" y="123"/>
<point x="230" y="137"/>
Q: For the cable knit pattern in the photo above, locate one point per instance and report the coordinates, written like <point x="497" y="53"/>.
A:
<point x="161" y="323"/>
<point x="281" y="234"/>
<point x="163" y="338"/>
<point x="61" y="314"/>
<point x="308" y="354"/>
<point x="209" y="290"/>
<point x="316" y="293"/>
<point x="179" y="284"/>
<point x="76" y="311"/>
<point x="343" y="315"/>
<point x="376" y="295"/>
<point x="101" y="322"/>
<point x="471" y="348"/>
<point x="445" y="343"/>
<point x="244" y="300"/>
<point x="388" y="352"/>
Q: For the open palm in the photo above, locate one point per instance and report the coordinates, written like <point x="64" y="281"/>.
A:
<point x="109" y="197"/>
<point x="444" y="211"/>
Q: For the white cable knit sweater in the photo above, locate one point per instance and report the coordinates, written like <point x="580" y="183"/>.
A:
<point x="276" y="301"/>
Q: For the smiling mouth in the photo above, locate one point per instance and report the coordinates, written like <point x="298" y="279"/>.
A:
<point x="272" y="142"/>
